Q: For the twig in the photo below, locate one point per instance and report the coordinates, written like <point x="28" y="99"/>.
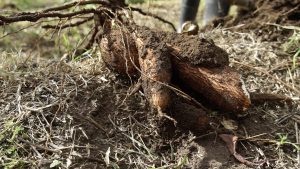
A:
<point x="282" y="65"/>
<point x="257" y="98"/>
<point x="68" y="25"/>
<point x="35" y="16"/>
<point x="18" y="99"/>
<point x="284" y="118"/>
<point x="252" y="137"/>
<point x="39" y="147"/>
<point x="53" y="12"/>
<point x="76" y="3"/>
<point x="154" y="16"/>
<point x="36" y="109"/>
<point x="203" y="136"/>
<point x="269" y="141"/>
<point x="19" y="30"/>
<point x="297" y="141"/>
<point x="87" y="118"/>
<point x="92" y="39"/>
<point x="71" y="147"/>
<point x="161" y="114"/>
<point x="136" y="87"/>
<point x="291" y="27"/>
<point x="80" y="51"/>
<point x="291" y="10"/>
<point x="297" y="91"/>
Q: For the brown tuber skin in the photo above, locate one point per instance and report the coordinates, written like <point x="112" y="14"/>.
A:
<point x="119" y="53"/>
<point x="198" y="64"/>
<point x="157" y="73"/>
<point x="222" y="87"/>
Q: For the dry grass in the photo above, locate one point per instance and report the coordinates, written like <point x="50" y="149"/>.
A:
<point x="266" y="69"/>
<point x="76" y="114"/>
<point x="72" y="114"/>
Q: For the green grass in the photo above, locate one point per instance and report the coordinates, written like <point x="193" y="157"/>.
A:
<point x="30" y="37"/>
<point x="283" y="140"/>
<point x="292" y="46"/>
<point x="295" y="58"/>
<point x="9" y="149"/>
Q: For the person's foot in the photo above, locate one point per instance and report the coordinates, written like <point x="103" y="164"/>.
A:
<point x="247" y="4"/>
<point x="214" y="9"/>
<point x="190" y="28"/>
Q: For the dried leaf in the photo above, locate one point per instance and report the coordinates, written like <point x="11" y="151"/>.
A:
<point x="230" y="141"/>
<point x="229" y="124"/>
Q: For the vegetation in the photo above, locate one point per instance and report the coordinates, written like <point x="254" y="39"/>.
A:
<point x="64" y="109"/>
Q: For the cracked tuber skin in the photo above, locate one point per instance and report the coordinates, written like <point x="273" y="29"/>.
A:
<point x="198" y="64"/>
<point x="155" y="64"/>
<point x="119" y="53"/>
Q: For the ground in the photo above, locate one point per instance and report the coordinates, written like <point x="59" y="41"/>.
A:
<point x="75" y="113"/>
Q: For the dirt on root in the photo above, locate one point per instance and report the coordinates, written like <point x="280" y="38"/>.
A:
<point x="83" y="116"/>
<point x="194" y="50"/>
<point x="265" y="29"/>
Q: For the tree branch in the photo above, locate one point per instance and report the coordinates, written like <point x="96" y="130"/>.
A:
<point x="53" y="12"/>
<point x="76" y="3"/>
<point x="35" y="16"/>
<point x="154" y="16"/>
